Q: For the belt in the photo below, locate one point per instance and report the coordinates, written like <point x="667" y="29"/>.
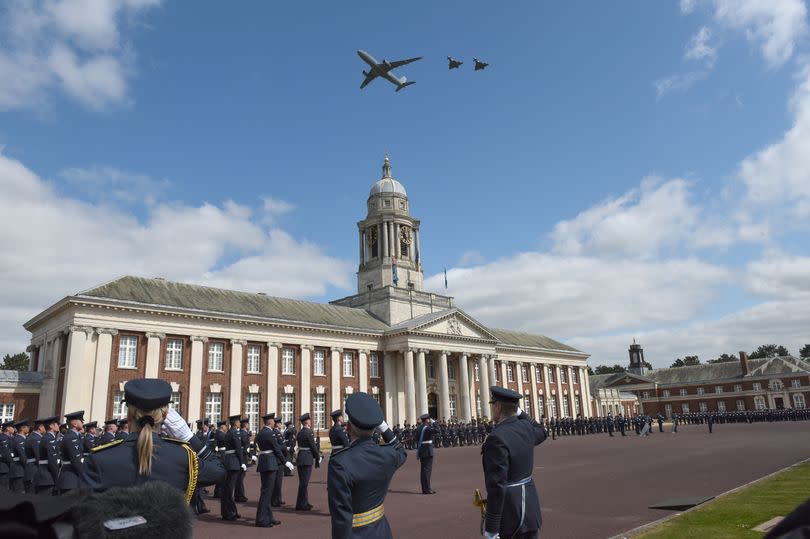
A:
<point x="30" y="461"/>
<point x="337" y="447"/>
<point x="427" y="441"/>
<point x="519" y="483"/>
<point x="219" y="449"/>
<point x="304" y="449"/>
<point x="16" y="459"/>
<point x="43" y="461"/>
<point x="266" y="452"/>
<point x="369" y="517"/>
<point x="230" y="451"/>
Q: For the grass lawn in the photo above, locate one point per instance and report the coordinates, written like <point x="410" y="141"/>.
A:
<point x="736" y="514"/>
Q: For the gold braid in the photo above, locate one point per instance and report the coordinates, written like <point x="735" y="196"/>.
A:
<point x="193" y="472"/>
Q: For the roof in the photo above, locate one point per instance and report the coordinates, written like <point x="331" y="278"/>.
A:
<point x="27" y="377"/>
<point x="727" y="371"/>
<point x="530" y="340"/>
<point x="160" y="292"/>
<point x="387" y="186"/>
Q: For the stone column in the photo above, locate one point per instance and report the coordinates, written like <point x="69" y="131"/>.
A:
<point x="304" y="399"/>
<point x="335" y="383"/>
<point x="519" y="374"/>
<point x="235" y="406"/>
<point x="504" y="380"/>
<point x="444" y="387"/>
<point x="390" y="381"/>
<point x="416" y="241"/>
<point x="410" y="387"/>
<point x="195" y="408"/>
<point x="362" y="370"/>
<point x="392" y="241"/>
<point x="464" y="388"/>
<point x="558" y="377"/>
<point x="362" y="245"/>
<point x="153" y="341"/>
<point x="471" y="390"/>
<point x="101" y="378"/>
<point x="50" y="369"/>
<point x="421" y="383"/>
<point x="273" y="349"/>
<point x="533" y="382"/>
<point x="585" y="392"/>
<point x="546" y="390"/>
<point x="75" y="395"/>
<point x="384" y="237"/>
<point x="399" y="365"/>
<point x="483" y="384"/>
<point x="491" y="372"/>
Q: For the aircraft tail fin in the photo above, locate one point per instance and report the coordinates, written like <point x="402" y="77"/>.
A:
<point x="404" y="84"/>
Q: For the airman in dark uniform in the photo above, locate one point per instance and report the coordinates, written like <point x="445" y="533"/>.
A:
<point x="275" y="498"/>
<point x="337" y="434"/>
<point x="72" y="462"/>
<point x="219" y="448"/>
<point x="48" y="458"/>
<point x="271" y="454"/>
<point x="234" y="465"/>
<point x="31" y="452"/>
<point x="513" y="506"/>
<point x="289" y="439"/>
<point x="6" y="460"/>
<point x="90" y="441"/>
<point x="203" y="435"/>
<point x="123" y="429"/>
<point x="178" y="459"/>
<point x="424" y="452"/>
<point x="309" y="454"/>
<point x="110" y="429"/>
<point x="17" y="472"/>
<point x="359" y="475"/>
<point x="244" y="437"/>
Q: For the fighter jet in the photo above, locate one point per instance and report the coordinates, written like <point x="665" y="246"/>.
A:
<point x="453" y="63"/>
<point x="383" y="69"/>
<point x="479" y="65"/>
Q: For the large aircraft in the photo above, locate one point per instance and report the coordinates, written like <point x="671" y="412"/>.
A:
<point x="383" y="69"/>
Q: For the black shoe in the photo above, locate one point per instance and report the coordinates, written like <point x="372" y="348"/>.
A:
<point x="203" y="511"/>
<point x="275" y="505"/>
<point x="231" y="518"/>
<point x="275" y="522"/>
<point x="241" y="500"/>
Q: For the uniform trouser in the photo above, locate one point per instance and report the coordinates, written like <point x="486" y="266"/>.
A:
<point x="239" y="494"/>
<point x="302" y="501"/>
<point x="226" y="502"/>
<point x="4" y="481"/>
<point x="660" y="427"/>
<point x="45" y="489"/>
<point x="264" y="514"/>
<point x="425" y="469"/>
<point x="275" y="498"/>
<point x="197" y="501"/>
<point x="16" y="484"/>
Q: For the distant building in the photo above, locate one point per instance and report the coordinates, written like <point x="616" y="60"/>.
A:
<point x="748" y="384"/>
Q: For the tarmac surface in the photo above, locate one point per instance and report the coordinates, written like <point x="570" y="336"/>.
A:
<point x="590" y="486"/>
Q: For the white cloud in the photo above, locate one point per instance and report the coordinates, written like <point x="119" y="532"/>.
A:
<point x="63" y="245"/>
<point x="779" y="275"/>
<point x="775" y="25"/>
<point x="275" y="208"/>
<point x="699" y="48"/>
<point x="470" y="258"/>
<point x="76" y="46"/>
<point x="677" y="83"/>
<point x="687" y="6"/>
<point x="109" y="183"/>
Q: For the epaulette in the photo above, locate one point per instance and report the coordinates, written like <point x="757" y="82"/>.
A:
<point x="105" y="446"/>
<point x="173" y="440"/>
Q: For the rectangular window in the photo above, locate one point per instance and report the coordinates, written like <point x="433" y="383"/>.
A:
<point x="704" y="407"/>
<point x="287" y="361"/>
<point x="510" y="373"/>
<point x="668" y="410"/>
<point x="119" y="410"/>
<point x="215" y="355"/>
<point x="718" y="389"/>
<point x="757" y="386"/>
<point x="254" y="362"/>
<point x="701" y="391"/>
<point x="319" y="363"/>
<point x="213" y="407"/>
<point x="564" y="375"/>
<point x="348" y="360"/>
<point x="127" y="349"/>
<point x="759" y="402"/>
<point x="566" y="411"/>
<point x="319" y="411"/>
<point x="373" y="365"/>
<point x="430" y="370"/>
<point x="666" y="392"/>
<point x="174" y="355"/>
<point x="578" y="404"/>
<point x="683" y="392"/>
<point x="376" y="398"/>
<point x="795" y="383"/>
<point x="552" y="407"/>
<point x="497" y="373"/>
<point x="721" y="406"/>
<point x="175" y="402"/>
<point x="287" y="407"/>
<point x="574" y="379"/>
<point x="452" y="406"/>
<point x="252" y="410"/>
<point x="524" y="373"/>
<point x="451" y="370"/>
<point x="478" y="405"/>
<point x="685" y="408"/>
<point x="550" y="376"/>
<point x="646" y="395"/>
<point x="737" y="387"/>
<point x="475" y="372"/>
<point x="740" y="405"/>
<point x="798" y="401"/>
<point x="6" y="412"/>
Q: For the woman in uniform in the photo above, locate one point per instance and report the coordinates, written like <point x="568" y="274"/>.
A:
<point x="178" y="458"/>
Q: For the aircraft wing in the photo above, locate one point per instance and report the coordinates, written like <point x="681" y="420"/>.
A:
<point x="403" y="62"/>
<point x="370" y="77"/>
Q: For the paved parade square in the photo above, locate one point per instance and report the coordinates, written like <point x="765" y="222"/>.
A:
<point x="590" y="486"/>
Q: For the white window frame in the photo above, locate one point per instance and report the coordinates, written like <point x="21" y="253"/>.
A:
<point x="524" y="373"/>
<point x="757" y="386"/>
<point x="666" y="392"/>
<point x="373" y="365"/>
<point x="287" y="406"/>
<point x="685" y="408"/>
<point x="550" y="375"/>
<point x="213" y="407"/>
<point x="704" y="407"/>
<point x="799" y="402"/>
<point x="174" y="355"/>
<point x="216" y="357"/>
<point x="452" y="405"/>
<point x="566" y="407"/>
<point x="252" y="410"/>
<point x="668" y="410"/>
<point x="451" y="370"/>
<point x="759" y="402"/>
<point x="177" y="402"/>
<point x="254" y="365"/>
<point x="478" y="405"/>
<point x="431" y="369"/>
<point x="128" y="352"/>
<point x="7" y="412"/>
<point x="577" y="404"/>
<point x="287" y="361"/>
<point x="684" y="392"/>
<point x="741" y="405"/>
<point x="721" y="406"/>
<point x="796" y="383"/>
<point x="510" y="373"/>
<point x="319" y="363"/>
<point x="552" y="407"/>
<point x="645" y="395"/>
<point x="737" y="388"/>
<point x="564" y="377"/>
<point x="701" y="391"/>
<point x="718" y="389"/>
<point x="574" y="379"/>
<point x="476" y="374"/>
<point x="319" y="411"/>
<point x="119" y="410"/>
<point x="348" y="364"/>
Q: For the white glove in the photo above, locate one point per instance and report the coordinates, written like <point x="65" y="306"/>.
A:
<point x="383" y="426"/>
<point x="488" y="535"/>
<point x="519" y="411"/>
<point x="320" y="459"/>
<point x="176" y="426"/>
<point x="289" y="465"/>
<point x="244" y="467"/>
<point x="253" y="458"/>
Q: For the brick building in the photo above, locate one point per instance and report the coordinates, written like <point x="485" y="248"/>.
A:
<point x="749" y="384"/>
<point x="227" y="352"/>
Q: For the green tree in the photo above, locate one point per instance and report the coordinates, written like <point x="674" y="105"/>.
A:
<point x="17" y="362"/>
<point x="604" y="369"/>
<point x="647" y="364"/>
<point x="685" y="362"/>
<point x="677" y="363"/>
<point x="725" y="358"/>
<point x="769" y="350"/>
<point x="804" y="353"/>
<point x="590" y="371"/>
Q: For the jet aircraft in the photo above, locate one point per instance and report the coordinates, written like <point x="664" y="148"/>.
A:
<point x="479" y="65"/>
<point x="453" y="63"/>
<point x="383" y="69"/>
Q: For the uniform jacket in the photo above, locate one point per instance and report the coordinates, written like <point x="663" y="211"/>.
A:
<point x="18" y="460"/>
<point x="308" y="452"/>
<point x="31" y="452"/>
<point x="121" y="435"/>
<point x="338" y="437"/>
<point x="358" y="480"/>
<point x="244" y="437"/>
<point x="271" y="453"/>
<point x="116" y="465"/>
<point x="90" y="441"/>
<point x="48" y="461"/>
<point x="234" y="456"/>
<point x="5" y="453"/>
<point x="72" y="462"/>
<point x="106" y="438"/>
<point x="508" y="458"/>
<point x="424" y="434"/>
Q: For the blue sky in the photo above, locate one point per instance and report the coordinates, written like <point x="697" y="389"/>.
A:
<point x="594" y="170"/>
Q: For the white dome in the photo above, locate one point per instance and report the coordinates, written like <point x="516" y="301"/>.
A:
<point x="387" y="186"/>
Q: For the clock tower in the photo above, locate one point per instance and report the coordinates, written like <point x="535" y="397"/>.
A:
<point x="636" y="359"/>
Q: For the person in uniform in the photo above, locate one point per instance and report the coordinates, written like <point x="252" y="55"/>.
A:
<point x="275" y="497"/>
<point x="309" y="454"/>
<point x="234" y="465"/>
<point x="271" y="454"/>
<point x="288" y="437"/>
<point x="513" y="506"/>
<point x="17" y="473"/>
<point x="110" y="429"/>
<point x="70" y="448"/>
<point x="219" y="447"/>
<point x="337" y="434"/>
<point x="244" y="437"/>
<point x="177" y="458"/>
<point x="424" y="452"/>
<point x="31" y="452"/>
<point x="90" y="440"/>
<point x="6" y="460"/>
<point x="48" y="458"/>
<point x="359" y="475"/>
<point x="123" y="429"/>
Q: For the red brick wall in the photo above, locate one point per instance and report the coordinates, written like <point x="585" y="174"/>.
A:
<point x="214" y="377"/>
<point x="259" y="379"/>
<point x="179" y="377"/>
<point x="293" y="380"/>
<point x="117" y="374"/>
<point x="26" y="405"/>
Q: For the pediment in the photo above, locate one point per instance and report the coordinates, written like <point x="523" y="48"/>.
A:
<point x="456" y="325"/>
<point x="627" y="379"/>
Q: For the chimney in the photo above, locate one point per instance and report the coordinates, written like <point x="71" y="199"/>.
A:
<point x="744" y="363"/>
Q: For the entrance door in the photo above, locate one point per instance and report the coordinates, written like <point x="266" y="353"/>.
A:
<point x="780" y="403"/>
<point x="433" y="405"/>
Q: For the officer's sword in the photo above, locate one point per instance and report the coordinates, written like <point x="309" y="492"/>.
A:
<point x="478" y="501"/>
